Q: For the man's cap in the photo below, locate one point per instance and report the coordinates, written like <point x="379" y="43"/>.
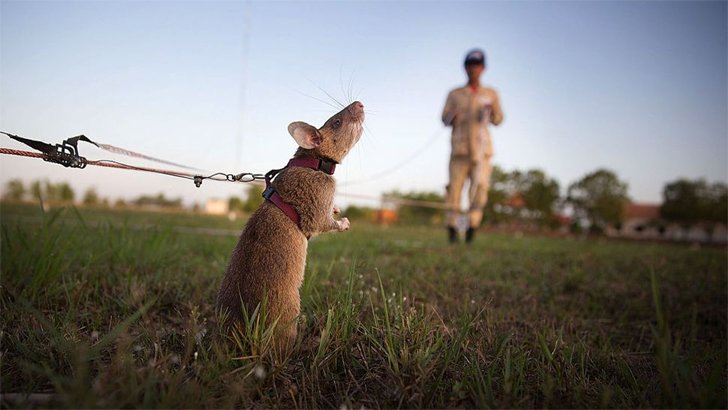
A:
<point x="475" y="56"/>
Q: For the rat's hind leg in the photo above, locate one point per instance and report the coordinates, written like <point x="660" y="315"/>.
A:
<point x="285" y="311"/>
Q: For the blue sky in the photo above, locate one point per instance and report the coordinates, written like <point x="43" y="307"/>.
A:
<point x="636" y="87"/>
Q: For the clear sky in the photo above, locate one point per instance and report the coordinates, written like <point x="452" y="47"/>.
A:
<point x="636" y="87"/>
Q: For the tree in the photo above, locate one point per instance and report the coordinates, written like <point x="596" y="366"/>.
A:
<point x="52" y="193"/>
<point x="235" y="204"/>
<point x="681" y="201"/>
<point x="412" y="213"/>
<point x="358" y="212"/>
<point x="498" y="194"/>
<point x="158" y="201"/>
<point x="690" y="202"/>
<point x="15" y="190"/>
<point x="90" y="197"/>
<point x="541" y="195"/>
<point x="36" y="190"/>
<point x="717" y="204"/>
<point x="254" y="198"/>
<point x="599" y="198"/>
<point x="65" y="192"/>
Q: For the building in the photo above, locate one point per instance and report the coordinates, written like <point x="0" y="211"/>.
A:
<point x="643" y="221"/>
<point x="216" y="207"/>
<point x="386" y="216"/>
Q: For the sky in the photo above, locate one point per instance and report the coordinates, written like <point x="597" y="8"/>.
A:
<point x="639" y="88"/>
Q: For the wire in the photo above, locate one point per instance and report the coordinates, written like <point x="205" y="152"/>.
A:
<point x="218" y="176"/>
<point x="399" y="201"/>
<point x="123" y="151"/>
<point x="399" y="165"/>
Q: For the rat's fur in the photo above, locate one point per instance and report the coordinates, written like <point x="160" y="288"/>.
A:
<point x="270" y="257"/>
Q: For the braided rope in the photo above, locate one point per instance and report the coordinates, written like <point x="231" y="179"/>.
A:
<point x="21" y="153"/>
<point x="100" y="163"/>
<point x="108" y="164"/>
<point x="119" y="165"/>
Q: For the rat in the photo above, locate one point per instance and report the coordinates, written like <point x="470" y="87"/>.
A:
<point x="269" y="259"/>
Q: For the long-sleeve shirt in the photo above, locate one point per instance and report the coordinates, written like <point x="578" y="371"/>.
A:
<point x="469" y="111"/>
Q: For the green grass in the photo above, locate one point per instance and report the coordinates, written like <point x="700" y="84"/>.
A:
<point x="113" y="309"/>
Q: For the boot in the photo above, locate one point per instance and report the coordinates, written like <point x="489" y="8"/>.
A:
<point x="452" y="234"/>
<point x="469" y="234"/>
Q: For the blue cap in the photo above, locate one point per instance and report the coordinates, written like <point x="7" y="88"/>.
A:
<point x="475" y="56"/>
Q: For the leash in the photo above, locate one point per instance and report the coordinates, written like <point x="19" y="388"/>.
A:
<point x="67" y="154"/>
<point x="385" y="173"/>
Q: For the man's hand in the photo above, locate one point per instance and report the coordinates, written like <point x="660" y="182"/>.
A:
<point x="450" y="119"/>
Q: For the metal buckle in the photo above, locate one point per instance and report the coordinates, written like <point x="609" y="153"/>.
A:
<point x="269" y="191"/>
<point x="197" y="179"/>
<point x="326" y="166"/>
<point x="66" y="154"/>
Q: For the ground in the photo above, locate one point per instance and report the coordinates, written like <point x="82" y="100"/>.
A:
<point x="115" y="309"/>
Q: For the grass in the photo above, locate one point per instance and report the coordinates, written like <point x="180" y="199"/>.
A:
<point x="113" y="309"/>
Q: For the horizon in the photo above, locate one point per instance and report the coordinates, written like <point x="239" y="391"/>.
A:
<point x="112" y="202"/>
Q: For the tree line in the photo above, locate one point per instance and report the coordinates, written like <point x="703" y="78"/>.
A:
<point x="62" y="193"/>
<point x="253" y="199"/>
<point x="595" y="202"/>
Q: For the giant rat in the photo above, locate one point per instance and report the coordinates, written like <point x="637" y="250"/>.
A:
<point x="270" y="257"/>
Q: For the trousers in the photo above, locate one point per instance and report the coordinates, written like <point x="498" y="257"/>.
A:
<point x="478" y="175"/>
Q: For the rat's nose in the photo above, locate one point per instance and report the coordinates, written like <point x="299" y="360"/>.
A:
<point x="356" y="108"/>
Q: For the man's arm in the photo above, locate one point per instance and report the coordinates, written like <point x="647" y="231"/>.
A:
<point x="496" y="114"/>
<point x="448" y="113"/>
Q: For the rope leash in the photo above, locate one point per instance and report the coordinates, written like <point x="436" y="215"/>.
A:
<point x="68" y="157"/>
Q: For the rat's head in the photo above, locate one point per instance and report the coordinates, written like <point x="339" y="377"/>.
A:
<point x="335" y="138"/>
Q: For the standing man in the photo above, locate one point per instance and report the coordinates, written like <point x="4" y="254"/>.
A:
<point x="469" y="110"/>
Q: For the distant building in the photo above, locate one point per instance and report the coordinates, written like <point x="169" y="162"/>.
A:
<point x="565" y="222"/>
<point x="216" y="207"/>
<point x="643" y="221"/>
<point x="516" y="202"/>
<point x="386" y="216"/>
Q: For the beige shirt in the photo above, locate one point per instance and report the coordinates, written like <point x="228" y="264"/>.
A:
<point x="469" y="112"/>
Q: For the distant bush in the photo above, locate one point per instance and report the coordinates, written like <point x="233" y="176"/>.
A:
<point x="254" y="198"/>
<point x="158" y="201"/>
<point x="412" y="214"/>
<point x="358" y="212"/>
<point x="39" y="190"/>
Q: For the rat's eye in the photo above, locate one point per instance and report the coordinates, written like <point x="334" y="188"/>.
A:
<point x="336" y="124"/>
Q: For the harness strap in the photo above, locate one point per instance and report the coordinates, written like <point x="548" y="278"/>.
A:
<point x="284" y="206"/>
<point x="270" y="194"/>
<point x="324" y="165"/>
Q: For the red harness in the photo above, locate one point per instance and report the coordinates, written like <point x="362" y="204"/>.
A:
<point x="271" y="195"/>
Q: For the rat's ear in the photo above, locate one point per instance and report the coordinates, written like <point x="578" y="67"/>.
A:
<point x="306" y="136"/>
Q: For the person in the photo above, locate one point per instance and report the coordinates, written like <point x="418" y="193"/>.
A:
<point x="469" y="110"/>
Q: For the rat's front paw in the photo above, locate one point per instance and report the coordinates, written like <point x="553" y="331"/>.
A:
<point x="343" y="224"/>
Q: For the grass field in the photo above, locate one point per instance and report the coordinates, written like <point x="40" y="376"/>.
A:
<point x="113" y="309"/>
